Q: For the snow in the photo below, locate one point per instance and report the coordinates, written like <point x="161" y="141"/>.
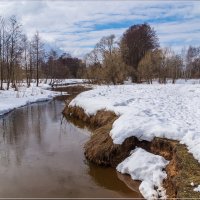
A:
<point x="169" y="81"/>
<point x="59" y="82"/>
<point x="146" y="111"/>
<point x="188" y="81"/>
<point x="183" y="81"/>
<point x="148" y="168"/>
<point x="197" y="189"/>
<point x="10" y="99"/>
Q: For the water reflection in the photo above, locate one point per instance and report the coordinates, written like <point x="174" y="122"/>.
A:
<point x="119" y="182"/>
<point x="41" y="155"/>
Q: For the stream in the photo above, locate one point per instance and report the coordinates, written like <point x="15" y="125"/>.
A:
<point x="41" y="156"/>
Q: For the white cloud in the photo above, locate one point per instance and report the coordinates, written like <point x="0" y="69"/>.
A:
<point x="73" y="25"/>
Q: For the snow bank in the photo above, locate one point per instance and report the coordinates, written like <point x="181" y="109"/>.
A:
<point x="60" y="82"/>
<point x="10" y="99"/>
<point x="148" y="168"/>
<point x="146" y="111"/>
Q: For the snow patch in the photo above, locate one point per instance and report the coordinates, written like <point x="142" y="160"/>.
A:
<point x="197" y="189"/>
<point x="148" y="168"/>
<point x="60" y="82"/>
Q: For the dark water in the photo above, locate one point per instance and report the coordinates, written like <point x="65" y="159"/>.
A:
<point x="41" y="155"/>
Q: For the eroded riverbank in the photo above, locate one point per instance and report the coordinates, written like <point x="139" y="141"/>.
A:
<point x="182" y="169"/>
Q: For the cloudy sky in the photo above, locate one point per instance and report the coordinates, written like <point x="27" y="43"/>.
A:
<point x="75" y="26"/>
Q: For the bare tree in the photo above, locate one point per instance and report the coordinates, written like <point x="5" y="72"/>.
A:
<point x="105" y="63"/>
<point x="146" y="67"/>
<point x="175" y="66"/>
<point x="38" y="53"/>
<point x="25" y="63"/>
<point x="52" y="64"/>
<point x="2" y="53"/>
<point x="106" y="45"/>
<point x="116" y="70"/>
<point x="193" y="62"/>
<point x="13" y="50"/>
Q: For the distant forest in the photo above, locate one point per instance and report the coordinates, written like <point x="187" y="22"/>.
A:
<point x="136" y="55"/>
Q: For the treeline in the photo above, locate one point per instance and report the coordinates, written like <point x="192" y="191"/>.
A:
<point x="23" y="59"/>
<point x="138" y="55"/>
<point x="62" y="67"/>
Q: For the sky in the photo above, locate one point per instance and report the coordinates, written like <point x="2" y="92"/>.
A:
<point x="76" y="26"/>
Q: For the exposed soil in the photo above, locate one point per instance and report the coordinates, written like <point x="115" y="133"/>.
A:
<point x="100" y="149"/>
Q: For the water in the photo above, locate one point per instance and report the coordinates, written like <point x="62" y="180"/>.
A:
<point x="41" y="155"/>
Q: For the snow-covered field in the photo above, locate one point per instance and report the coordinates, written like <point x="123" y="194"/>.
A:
<point x="146" y="111"/>
<point x="10" y="99"/>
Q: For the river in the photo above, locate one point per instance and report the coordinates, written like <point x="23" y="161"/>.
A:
<point x="41" y="156"/>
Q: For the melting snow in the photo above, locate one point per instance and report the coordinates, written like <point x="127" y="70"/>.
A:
<point x="197" y="189"/>
<point x="148" y="168"/>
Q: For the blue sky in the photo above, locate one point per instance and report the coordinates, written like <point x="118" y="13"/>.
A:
<point x="76" y="26"/>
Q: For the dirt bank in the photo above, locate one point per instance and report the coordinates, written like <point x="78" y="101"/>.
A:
<point x="100" y="149"/>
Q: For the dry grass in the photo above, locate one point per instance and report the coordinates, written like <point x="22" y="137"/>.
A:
<point x="101" y="118"/>
<point x="100" y="149"/>
<point x="182" y="169"/>
<point x="189" y="171"/>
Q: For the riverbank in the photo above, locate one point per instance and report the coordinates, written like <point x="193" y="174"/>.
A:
<point x="12" y="98"/>
<point x="42" y="156"/>
<point x="22" y="95"/>
<point x="183" y="173"/>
